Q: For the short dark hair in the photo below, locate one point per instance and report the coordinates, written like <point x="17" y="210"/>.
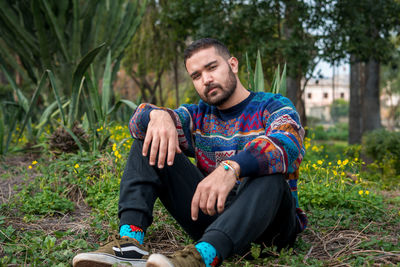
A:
<point x="206" y="43"/>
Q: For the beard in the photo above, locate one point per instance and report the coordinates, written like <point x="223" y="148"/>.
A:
<point x="216" y="99"/>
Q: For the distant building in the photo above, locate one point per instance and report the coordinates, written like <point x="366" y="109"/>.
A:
<point x="320" y="93"/>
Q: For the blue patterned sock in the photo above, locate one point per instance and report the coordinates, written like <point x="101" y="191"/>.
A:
<point x="132" y="231"/>
<point x="208" y="253"/>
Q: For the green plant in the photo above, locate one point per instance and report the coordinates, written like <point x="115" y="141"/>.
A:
<point x="55" y="35"/>
<point x="256" y="78"/>
<point x="49" y="40"/>
<point x="383" y="147"/>
<point x="339" y="109"/>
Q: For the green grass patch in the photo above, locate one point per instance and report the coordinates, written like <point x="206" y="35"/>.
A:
<point x="68" y="204"/>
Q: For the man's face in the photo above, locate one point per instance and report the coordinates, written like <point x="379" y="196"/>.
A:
<point x="212" y="76"/>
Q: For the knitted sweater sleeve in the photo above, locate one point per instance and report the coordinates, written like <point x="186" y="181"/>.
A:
<point x="280" y="149"/>
<point x="182" y="118"/>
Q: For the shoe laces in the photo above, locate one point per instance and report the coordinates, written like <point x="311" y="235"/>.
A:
<point x="115" y="240"/>
<point x="187" y="251"/>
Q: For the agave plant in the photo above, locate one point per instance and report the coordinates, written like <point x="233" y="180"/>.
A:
<point x="49" y="39"/>
<point x="256" y="78"/>
<point x="56" y="34"/>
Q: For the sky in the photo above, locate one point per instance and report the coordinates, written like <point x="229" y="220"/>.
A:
<point x="327" y="69"/>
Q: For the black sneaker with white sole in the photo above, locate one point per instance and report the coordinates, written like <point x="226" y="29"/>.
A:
<point x="122" y="251"/>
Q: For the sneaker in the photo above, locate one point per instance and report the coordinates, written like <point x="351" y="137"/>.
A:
<point x="122" y="251"/>
<point x="188" y="257"/>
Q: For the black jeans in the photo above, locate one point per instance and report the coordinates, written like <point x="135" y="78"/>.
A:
<point x="260" y="210"/>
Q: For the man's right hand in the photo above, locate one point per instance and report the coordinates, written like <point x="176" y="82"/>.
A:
<point x="163" y="137"/>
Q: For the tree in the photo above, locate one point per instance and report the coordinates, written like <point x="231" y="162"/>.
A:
<point x="390" y="84"/>
<point x="280" y="30"/>
<point x="362" y="29"/>
<point x="158" y="47"/>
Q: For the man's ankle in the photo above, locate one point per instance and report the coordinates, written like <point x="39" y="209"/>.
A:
<point x="132" y="231"/>
<point x="208" y="253"/>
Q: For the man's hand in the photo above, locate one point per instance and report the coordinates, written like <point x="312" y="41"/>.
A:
<point x="212" y="190"/>
<point x="162" y="134"/>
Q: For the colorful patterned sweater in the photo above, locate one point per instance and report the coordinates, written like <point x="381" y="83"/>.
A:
<point x="262" y="134"/>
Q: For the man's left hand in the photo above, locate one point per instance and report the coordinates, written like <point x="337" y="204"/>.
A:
<point x="212" y="190"/>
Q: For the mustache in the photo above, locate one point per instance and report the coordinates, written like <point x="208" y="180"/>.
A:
<point x="211" y="86"/>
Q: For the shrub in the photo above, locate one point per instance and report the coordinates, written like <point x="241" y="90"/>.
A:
<point x="384" y="148"/>
<point x="340" y="131"/>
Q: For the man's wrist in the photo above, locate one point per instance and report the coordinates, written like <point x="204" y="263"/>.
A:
<point x="156" y="112"/>
<point x="232" y="166"/>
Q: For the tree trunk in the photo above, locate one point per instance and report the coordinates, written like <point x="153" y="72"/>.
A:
<point x="355" y="101"/>
<point x="371" y="104"/>
<point x="291" y="88"/>
<point x="294" y="93"/>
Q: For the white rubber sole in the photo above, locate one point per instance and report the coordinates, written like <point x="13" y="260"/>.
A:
<point x="104" y="260"/>
<point x="158" y="260"/>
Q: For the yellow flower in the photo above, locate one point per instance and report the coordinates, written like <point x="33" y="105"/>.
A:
<point x="119" y="156"/>
<point x="330" y="163"/>
<point x="34" y="162"/>
<point x="314" y="166"/>
<point x="319" y="162"/>
<point x="355" y="159"/>
<point x="339" y="162"/>
<point x="116" y="153"/>
<point x="334" y="172"/>
<point x="343" y="174"/>
<point x="366" y="192"/>
<point x="29" y="167"/>
<point x="345" y="161"/>
<point x="76" y="166"/>
<point x="360" y="192"/>
<point x="356" y="181"/>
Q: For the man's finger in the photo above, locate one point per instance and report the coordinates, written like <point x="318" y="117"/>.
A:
<point x="178" y="149"/>
<point x="221" y="202"/>
<point x="171" y="151"/>
<point x="154" y="149"/>
<point x="203" y="202"/>
<point x="162" y="151"/>
<point x="146" y="143"/>
<point x="211" y="204"/>
<point x="195" y="206"/>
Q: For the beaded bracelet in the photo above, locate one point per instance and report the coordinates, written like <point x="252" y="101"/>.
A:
<point x="228" y="166"/>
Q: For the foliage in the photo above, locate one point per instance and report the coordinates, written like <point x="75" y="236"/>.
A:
<point x="150" y="53"/>
<point x="339" y="109"/>
<point x="361" y="28"/>
<point x="49" y="35"/>
<point x="256" y="78"/>
<point x="384" y="148"/>
<point x="390" y="84"/>
<point x="339" y="131"/>
<point x="332" y="188"/>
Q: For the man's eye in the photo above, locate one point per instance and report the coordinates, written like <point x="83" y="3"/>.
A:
<point x="213" y="67"/>
<point x="195" y="77"/>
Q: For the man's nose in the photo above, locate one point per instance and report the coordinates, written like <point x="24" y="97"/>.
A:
<point x="207" y="78"/>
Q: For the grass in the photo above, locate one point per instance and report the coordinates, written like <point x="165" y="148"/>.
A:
<point x="51" y="208"/>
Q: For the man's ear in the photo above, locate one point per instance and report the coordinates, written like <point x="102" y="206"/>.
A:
<point x="234" y="63"/>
